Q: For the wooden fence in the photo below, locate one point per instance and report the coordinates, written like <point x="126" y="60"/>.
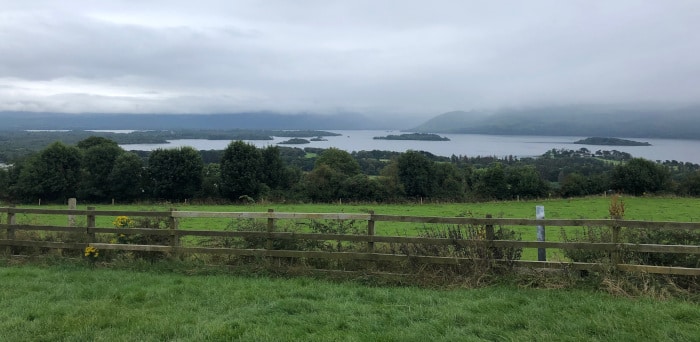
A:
<point x="370" y="240"/>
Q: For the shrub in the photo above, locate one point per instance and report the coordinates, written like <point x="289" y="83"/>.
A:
<point x="142" y="239"/>
<point x="634" y="236"/>
<point x="468" y="242"/>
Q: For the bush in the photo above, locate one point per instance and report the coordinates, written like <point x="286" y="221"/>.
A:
<point x="142" y="239"/>
<point x="634" y="236"/>
<point x="467" y="241"/>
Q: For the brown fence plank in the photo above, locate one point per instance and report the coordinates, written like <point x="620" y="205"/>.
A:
<point x="130" y="231"/>
<point x="84" y="212"/>
<point x="44" y="228"/>
<point x="45" y="244"/>
<point x="370" y="239"/>
<point x="660" y="269"/>
<point x="128" y="247"/>
<point x="270" y="215"/>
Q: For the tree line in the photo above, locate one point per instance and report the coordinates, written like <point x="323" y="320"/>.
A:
<point x="98" y="170"/>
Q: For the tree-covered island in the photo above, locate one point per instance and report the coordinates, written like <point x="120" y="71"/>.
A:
<point x="610" y="142"/>
<point x="415" y="136"/>
<point x="295" y="141"/>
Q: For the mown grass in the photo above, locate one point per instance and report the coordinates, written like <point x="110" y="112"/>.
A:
<point x="75" y="302"/>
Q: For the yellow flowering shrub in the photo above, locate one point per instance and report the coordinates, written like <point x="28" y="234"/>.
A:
<point x="91" y="252"/>
<point x="122" y="222"/>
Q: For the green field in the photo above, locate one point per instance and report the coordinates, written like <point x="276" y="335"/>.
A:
<point x="74" y="302"/>
<point x="637" y="208"/>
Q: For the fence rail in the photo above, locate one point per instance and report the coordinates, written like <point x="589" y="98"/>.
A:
<point x="173" y="246"/>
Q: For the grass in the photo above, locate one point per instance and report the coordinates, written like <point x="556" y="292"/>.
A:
<point x="638" y="208"/>
<point x="74" y="302"/>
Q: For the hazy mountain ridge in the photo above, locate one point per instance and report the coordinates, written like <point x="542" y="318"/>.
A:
<point x="258" y="120"/>
<point x="683" y="123"/>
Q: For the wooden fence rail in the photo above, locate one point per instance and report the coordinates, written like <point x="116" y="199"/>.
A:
<point x="370" y="239"/>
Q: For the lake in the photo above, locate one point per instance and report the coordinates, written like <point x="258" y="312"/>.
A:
<point x="460" y="144"/>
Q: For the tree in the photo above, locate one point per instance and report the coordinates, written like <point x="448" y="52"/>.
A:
<point x="99" y="156"/>
<point x="491" y="182"/>
<point x="360" y="188"/>
<point x="327" y="181"/>
<point x="339" y="161"/>
<point x="690" y="185"/>
<point x="639" y="176"/>
<point x="211" y="181"/>
<point x="416" y="174"/>
<point x="323" y="183"/>
<point x="95" y="141"/>
<point x="274" y="172"/>
<point x="53" y="174"/>
<point x="449" y="180"/>
<point x="241" y="168"/>
<point x="126" y="177"/>
<point x="574" y="185"/>
<point x="4" y="183"/>
<point x="525" y="182"/>
<point x="175" y="173"/>
<point x="389" y="181"/>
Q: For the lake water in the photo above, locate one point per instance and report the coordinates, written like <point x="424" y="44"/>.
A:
<point x="461" y="144"/>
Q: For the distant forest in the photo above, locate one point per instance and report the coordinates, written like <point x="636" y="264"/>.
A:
<point x="96" y="170"/>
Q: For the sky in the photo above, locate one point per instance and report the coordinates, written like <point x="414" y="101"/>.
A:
<point x="381" y="58"/>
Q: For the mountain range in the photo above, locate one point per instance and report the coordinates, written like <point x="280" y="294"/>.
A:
<point x="251" y="121"/>
<point x="677" y="123"/>
<point x="579" y="120"/>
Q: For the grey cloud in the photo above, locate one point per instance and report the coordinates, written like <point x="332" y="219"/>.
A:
<point x="388" y="58"/>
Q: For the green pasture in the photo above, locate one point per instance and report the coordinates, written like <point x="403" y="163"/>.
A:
<point x="637" y="208"/>
<point x="77" y="303"/>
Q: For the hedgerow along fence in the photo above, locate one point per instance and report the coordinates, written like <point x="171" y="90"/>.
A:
<point x="373" y="248"/>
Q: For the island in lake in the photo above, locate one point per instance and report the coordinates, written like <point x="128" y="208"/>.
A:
<point x="610" y="142"/>
<point x="295" y="141"/>
<point x="415" y="136"/>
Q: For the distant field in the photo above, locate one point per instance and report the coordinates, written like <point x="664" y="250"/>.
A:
<point x="637" y="208"/>
<point x="72" y="303"/>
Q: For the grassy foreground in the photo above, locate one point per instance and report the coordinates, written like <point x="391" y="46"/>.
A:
<point x="74" y="302"/>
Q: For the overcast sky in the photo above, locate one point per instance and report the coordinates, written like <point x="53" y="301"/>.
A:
<point x="417" y="58"/>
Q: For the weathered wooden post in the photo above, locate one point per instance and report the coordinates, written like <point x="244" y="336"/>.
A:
<point x="11" y="221"/>
<point x="490" y="235"/>
<point x="72" y="205"/>
<point x="370" y="232"/>
<point x="617" y="212"/>
<point x="615" y="254"/>
<point x="270" y="229"/>
<point x="174" y="236"/>
<point x="90" y="231"/>
<point x="541" y="252"/>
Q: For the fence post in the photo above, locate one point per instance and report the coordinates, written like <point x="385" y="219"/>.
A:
<point x="615" y="255"/>
<point x="174" y="236"/>
<point x="370" y="232"/>
<point x="90" y="231"/>
<point x="72" y="205"/>
<point x="541" y="252"/>
<point x="11" y="221"/>
<point x="270" y="229"/>
<point x="490" y="235"/>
